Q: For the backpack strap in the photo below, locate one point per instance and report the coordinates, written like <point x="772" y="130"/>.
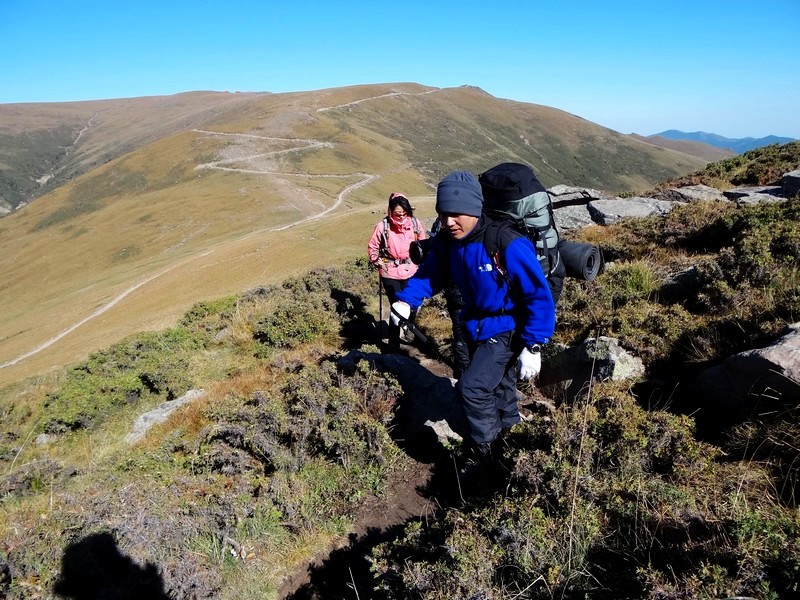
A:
<point x="383" y="250"/>
<point x="497" y="236"/>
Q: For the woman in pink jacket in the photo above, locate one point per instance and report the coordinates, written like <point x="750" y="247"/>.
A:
<point x="388" y="250"/>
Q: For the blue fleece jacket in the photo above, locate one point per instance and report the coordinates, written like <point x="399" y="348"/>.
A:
<point x="491" y="307"/>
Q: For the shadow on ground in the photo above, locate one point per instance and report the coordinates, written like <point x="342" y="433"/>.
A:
<point x="93" y="568"/>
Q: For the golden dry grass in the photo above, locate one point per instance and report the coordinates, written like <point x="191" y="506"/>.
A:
<point x="140" y="239"/>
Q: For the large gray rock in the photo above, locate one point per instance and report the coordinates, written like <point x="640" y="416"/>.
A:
<point x="568" y="371"/>
<point x="690" y="193"/>
<point x="565" y="193"/>
<point x="790" y="184"/>
<point x="160" y="414"/>
<point x="572" y="217"/>
<point x="571" y="205"/>
<point x="610" y="360"/>
<point x="610" y="210"/>
<point x="754" y="195"/>
<point x="755" y="383"/>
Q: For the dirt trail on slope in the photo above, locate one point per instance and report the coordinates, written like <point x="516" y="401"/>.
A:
<point x="261" y="166"/>
<point x="412" y="494"/>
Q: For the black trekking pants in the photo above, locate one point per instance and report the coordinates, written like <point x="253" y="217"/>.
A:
<point x="488" y="388"/>
<point x="460" y="345"/>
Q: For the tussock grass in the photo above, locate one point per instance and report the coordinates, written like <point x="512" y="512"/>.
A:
<point x="243" y="485"/>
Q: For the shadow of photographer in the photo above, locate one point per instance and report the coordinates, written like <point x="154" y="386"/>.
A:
<point x="93" y="568"/>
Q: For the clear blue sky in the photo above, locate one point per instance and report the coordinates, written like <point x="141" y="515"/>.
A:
<point x="723" y="66"/>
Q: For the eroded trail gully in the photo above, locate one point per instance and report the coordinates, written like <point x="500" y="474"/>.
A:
<point x="410" y="495"/>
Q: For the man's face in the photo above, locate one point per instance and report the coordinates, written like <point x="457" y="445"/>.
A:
<point x="458" y="226"/>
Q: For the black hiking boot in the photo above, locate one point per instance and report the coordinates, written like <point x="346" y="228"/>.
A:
<point x="476" y="465"/>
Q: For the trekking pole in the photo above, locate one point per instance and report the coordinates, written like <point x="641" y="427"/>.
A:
<point x="403" y="322"/>
<point x="380" y="295"/>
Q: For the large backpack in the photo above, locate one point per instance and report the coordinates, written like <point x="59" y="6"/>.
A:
<point x="516" y="203"/>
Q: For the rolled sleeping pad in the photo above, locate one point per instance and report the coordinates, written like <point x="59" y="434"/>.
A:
<point x="582" y="261"/>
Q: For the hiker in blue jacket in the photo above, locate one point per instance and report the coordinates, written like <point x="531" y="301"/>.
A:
<point x="508" y="316"/>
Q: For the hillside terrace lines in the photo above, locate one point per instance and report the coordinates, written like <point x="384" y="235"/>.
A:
<point x="308" y="144"/>
<point x="305" y="145"/>
<point x="367" y="178"/>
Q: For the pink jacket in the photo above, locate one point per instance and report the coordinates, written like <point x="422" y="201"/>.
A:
<point x="394" y="262"/>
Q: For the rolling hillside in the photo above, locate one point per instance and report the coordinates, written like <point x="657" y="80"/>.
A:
<point x="158" y="203"/>
<point x="699" y="149"/>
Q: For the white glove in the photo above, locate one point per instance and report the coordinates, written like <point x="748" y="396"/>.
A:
<point x="529" y="364"/>
<point x="400" y="311"/>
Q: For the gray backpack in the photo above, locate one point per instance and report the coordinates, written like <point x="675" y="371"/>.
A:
<point x="514" y="198"/>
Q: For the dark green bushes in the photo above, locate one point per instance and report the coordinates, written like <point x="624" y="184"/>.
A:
<point x="604" y="500"/>
<point x="762" y="166"/>
<point x="318" y="441"/>
<point x="144" y="365"/>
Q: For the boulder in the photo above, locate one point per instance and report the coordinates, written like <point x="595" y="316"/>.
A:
<point x="565" y="193"/>
<point x="790" y="184"/>
<point x="571" y="205"/>
<point x="690" y="193"/>
<point x="159" y="414"/>
<point x="754" y="195"/>
<point x="596" y="359"/>
<point x="679" y="286"/>
<point x="610" y="360"/>
<point x="610" y="210"/>
<point x="572" y="217"/>
<point x="759" y="383"/>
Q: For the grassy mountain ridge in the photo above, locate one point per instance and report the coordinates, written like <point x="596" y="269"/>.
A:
<point x="763" y="166"/>
<point x="245" y="189"/>
<point x="609" y="496"/>
<point x="45" y="145"/>
<point x="736" y="145"/>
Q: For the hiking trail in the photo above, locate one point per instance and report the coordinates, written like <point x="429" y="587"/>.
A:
<point x="303" y="145"/>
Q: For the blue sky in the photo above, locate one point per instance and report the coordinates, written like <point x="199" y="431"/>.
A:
<point x="727" y="67"/>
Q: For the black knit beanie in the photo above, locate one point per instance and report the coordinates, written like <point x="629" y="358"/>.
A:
<point x="459" y="194"/>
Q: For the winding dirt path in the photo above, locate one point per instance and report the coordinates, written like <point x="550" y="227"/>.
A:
<point x="303" y="145"/>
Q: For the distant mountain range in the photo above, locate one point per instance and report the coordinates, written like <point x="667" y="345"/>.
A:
<point x="736" y="145"/>
<point x="707" y="152"/>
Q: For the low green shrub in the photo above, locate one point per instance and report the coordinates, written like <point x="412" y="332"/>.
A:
<point x="144" y="365"/>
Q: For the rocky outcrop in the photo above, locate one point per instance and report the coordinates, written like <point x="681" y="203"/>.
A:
<point x="790" y="184"/>
<point x="576" y="207"/>
<point x="572" y="369"/>
<point x="610" y="210"/>
<point x="159" y="414"/>
<point x="759" y="383"/>
<point x="690" y="193"/>
<point x="754" y="195"/>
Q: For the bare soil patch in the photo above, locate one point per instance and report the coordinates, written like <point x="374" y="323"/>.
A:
<point x="411" y="494"/>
